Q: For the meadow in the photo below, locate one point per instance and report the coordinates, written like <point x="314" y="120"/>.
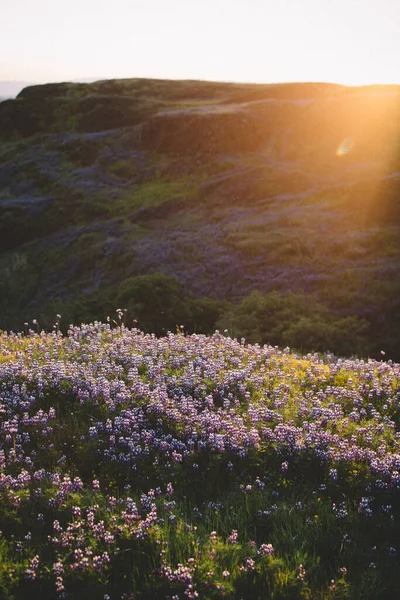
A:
<point x="191" y="466"/>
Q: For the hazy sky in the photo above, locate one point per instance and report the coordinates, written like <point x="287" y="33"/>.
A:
<point x="345" y="41"/>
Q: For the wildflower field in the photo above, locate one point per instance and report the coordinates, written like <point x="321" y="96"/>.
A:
<point x="137" y="467"/>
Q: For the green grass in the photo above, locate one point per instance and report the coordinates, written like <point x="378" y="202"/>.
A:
<point x="156" y="193"/>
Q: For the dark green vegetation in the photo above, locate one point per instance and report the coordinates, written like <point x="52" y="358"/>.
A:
<point x="178" y="200"/>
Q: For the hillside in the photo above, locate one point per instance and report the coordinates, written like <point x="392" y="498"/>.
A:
<point x="138" y="468"/>
<point x="112" y="189"/>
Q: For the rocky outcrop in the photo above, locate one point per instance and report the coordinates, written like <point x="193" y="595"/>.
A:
<point x="203" y="132"/>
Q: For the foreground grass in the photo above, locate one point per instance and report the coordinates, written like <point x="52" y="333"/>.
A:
<point x="194" y="467"/>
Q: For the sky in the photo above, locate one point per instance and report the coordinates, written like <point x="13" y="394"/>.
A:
<point x="343" y="41"/>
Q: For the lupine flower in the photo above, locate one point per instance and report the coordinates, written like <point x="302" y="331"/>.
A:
<point x="233" y="538"/>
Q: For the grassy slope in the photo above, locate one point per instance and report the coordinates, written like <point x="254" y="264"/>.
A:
<point x="229" y="187"/>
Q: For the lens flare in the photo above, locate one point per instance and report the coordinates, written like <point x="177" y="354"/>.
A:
<point x="345" y="147"/>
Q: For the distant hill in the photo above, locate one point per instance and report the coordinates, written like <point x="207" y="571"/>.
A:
<point x="229" y="188"/>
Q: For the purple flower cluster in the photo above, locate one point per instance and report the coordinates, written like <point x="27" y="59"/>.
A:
<point x="212" y="394"/>
<point x="138" y="405"/>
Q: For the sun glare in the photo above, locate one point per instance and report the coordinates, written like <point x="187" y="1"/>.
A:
<point x="345" y="147"/>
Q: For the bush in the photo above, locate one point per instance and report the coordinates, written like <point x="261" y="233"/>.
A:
<point x="294" y="320"/>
